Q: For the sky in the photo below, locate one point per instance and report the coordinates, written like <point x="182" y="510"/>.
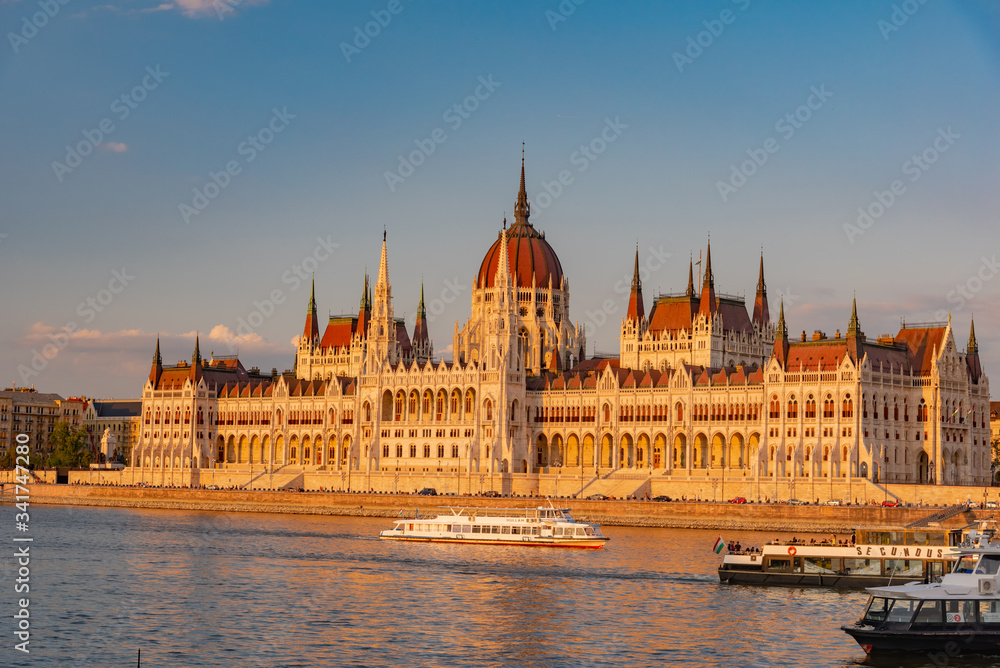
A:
<point x="183" y="167"/>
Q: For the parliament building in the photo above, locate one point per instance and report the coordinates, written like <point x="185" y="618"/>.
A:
<point x="703" y="388"/>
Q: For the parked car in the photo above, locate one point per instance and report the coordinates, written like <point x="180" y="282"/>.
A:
<point x="492" y="493"/>
<point x="427" y="491"/>
<point x="597" y="497"/>
<point x="833" y="502"/>
<point x="661" y="498"/>
<point x="890" y="504"/>
<point x="738" y="499"/>
<point x="796" y="502"/>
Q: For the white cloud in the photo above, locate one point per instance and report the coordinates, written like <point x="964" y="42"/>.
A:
<point x="114" y="146"/>
<point x="199" y="9"/>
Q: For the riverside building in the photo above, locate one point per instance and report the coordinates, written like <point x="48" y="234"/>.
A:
<point x="703" y="389"/>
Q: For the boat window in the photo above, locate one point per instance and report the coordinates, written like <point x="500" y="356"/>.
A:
<point x="476" y="528"/>
<point x="930" y="613"/>
<point x="515" y="529"/>
<point x="959" y="612"/>
<point x="989" y="564"/>
<point x="877" y="610"/>
<point x="496" y="528"/>
<point x="777" y="564"/>
<point x="902" y="611"/>
<point x="820" y="565"/>
<point x="904" y="568"/>
<point x="506" y="529"/>
<point x="862" y="566"/>
<point x="590" y="531"/>
<point x="965" y="563"/>
<point x="989" y="612"/>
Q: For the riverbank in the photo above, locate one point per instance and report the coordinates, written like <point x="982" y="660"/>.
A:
<point x="675" y="514"/>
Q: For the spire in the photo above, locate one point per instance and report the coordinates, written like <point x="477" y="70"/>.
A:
<point x="420" y="335"/>
<point x="636" y="311"/>
<point x="195" y="373"/>
<point x="311" y="330"/>
<point x="157" y="368"/>
<point x="781" y="338"/>
<point x="522" y="209"/>
<point x="364" y="294"/>
<point x="383" y="268"/>
<point x="761" y="313"/>
<point x="708" y="304"/>
<point x="854" y="328"/>
<point x="502" y="277"/>
<point x="364" y="312"/>
<point x="972" y="355"/>
<point x="855" y="337"/>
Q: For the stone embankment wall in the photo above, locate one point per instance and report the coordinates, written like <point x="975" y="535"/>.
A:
<point x="705" y="515"/>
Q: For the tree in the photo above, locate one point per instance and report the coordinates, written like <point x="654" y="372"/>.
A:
<point x="70" y="446"/>
<point x="995" y="449"/>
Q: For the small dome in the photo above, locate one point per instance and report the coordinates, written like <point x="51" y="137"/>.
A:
<point x="530" y="256"/>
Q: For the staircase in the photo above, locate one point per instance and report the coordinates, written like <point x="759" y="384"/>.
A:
<point x="940" y="516"/>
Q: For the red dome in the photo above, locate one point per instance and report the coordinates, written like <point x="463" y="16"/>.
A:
<point x="530" y="257"/>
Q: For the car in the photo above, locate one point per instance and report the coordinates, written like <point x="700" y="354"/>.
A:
<point x="833" y="502"/>
<point x="660" y="498"/>
<point x="890" y="504"/>
<point x="796" y="502"/>
<point x="427" y="491"/>
<point x="738" y="499"/>
<point x="492" y="494"/>
<point x="597" y="497"/>
<point x="992" y="504"/>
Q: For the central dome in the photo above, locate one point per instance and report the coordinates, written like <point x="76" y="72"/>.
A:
<point x="531" y="258"/>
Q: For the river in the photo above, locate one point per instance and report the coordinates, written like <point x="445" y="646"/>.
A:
<point x="223" y="589"/>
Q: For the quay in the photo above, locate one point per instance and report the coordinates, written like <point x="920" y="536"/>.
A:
<point x="673" y="514"/>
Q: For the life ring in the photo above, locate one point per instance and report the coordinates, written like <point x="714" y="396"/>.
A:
<point x="791" y="551"/>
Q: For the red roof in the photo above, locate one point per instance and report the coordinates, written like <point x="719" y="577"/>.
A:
<point x="339" y="332"/>
<point x="921" y="343"/>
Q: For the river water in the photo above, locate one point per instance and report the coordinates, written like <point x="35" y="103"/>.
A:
<point x="222" y="589"/>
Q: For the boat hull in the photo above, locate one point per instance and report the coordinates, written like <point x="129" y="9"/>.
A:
<point x="589" y="544"/>
<point x="759" y="577"/>
<point x="967" y="639"/>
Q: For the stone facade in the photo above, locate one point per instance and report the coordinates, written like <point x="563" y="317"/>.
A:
<point x="701" y="391"/>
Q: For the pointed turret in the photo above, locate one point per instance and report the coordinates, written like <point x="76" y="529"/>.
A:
<point x="157" y="368"/>
<point x="522" y="209"/>
<point x="972" y="355"/>
<point x="365" y="310"/>
<point x="420" y="336"/>
<point x="195" y="362"/>
<point x="310" y="332"/>
<point x="708" y="304"/>
<point x="636" y="312"/>
<point x="855" y="337"/>
<point x="761" y="314"/>
<point x="383" y="268"/>
<point x="781" y="338"/>
<point x="503" y="277"/>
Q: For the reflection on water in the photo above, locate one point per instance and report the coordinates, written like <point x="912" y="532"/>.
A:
<point x="217" y="589"/>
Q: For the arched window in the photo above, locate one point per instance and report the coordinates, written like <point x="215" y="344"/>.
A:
<point x="847" y="409"/>
<point x="810" y="407"/>
<point x="793" y="408"/>
<point x="489" y="409"/>
<point x="367" y="412"/>
<point x="398" y="406"/>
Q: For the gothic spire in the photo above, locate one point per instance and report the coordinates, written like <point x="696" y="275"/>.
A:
<point x="761" y="313"/>
<point x="157" y="360"/>
<point x="973" y="347"/>
<point x="854" y="328"/>
<point x="196" y="357"/>
<point x="157" y="368"/>
<point x="311" y="330"/>
<point x="383" y="267"/>
<point x="311" y="309"/>
<point x="636" y="311"/>
<point x="522" y="209"/>
<point x="708" y="304"/>
<point x="781" y="338"/>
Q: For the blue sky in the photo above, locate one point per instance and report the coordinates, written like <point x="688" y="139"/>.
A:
<point x="200" y="79"/>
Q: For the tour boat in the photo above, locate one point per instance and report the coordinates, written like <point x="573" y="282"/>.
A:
<point x="958" y="615"/>
<point x="545" y="527"/>
<point x="876" y="557"/>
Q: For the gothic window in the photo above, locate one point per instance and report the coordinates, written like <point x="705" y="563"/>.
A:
<point x="413" y="450"/>
<point x="427" y="451"/>
<point x="847" y="409"/>
<point x="810" y="407"/>
<point x="793" y="408"/>
<point x="454" y="451"/>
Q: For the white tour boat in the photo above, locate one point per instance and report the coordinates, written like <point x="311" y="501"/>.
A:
<point x="544" y="527"/>
<point x="959" y="615"/>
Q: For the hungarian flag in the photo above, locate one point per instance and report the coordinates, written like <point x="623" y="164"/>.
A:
<point x="719" y="546"/>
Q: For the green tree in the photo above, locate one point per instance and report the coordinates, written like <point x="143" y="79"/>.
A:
<point x="995" y="448"/>
<point x="70" y="446"/>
